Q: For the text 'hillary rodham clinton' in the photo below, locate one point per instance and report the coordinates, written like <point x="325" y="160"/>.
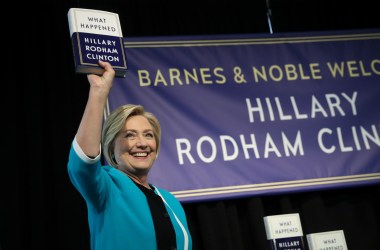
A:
<point x="283" y="143"/>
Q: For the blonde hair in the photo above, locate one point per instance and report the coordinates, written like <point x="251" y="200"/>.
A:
<point x="115" y="123"/>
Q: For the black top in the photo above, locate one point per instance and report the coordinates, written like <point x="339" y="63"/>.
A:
<point x="165" y="234"/>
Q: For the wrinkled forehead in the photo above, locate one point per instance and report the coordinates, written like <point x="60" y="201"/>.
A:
<point x="137" y="123"/>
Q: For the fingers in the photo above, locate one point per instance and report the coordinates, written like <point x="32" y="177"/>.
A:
<point x="106" y="65"/>
<point x="108" y="74"/>
<point x="103" y="63"/>
<point x="109" y="71"/>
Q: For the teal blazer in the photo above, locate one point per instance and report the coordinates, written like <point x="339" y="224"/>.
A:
<point x="118" y="213"/>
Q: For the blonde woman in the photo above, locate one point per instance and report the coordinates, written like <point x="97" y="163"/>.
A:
<point x="125" y="211"/>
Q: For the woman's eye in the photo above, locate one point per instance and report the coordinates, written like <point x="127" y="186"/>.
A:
<point x="129" y="135"/>
<point x="150" y="135"/>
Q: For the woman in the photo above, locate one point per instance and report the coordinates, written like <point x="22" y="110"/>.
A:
<point x="125" y="211"/>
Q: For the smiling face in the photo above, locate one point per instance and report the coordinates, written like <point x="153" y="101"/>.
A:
<point x="136" y="147"/>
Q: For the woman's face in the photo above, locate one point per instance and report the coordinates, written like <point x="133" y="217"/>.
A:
<point x="135" y="146"/>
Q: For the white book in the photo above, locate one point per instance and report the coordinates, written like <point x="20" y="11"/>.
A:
<point x="96" y="35"/>
<point x="284" y="231"/>
<point x="283" y="226"/>
<point x="327" y="240"/>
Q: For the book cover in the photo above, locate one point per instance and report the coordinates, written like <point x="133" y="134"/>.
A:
<point x="96" y="35"/>
<point x="284" y="232"/>
<point x="327" y="240"/>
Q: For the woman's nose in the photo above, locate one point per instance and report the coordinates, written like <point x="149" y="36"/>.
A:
<point x="141" y="141"/>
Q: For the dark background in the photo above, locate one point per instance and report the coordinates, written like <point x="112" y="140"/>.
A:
<point x="43" y="100"/>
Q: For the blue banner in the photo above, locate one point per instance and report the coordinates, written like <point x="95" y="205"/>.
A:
<point x="244" y="115"/>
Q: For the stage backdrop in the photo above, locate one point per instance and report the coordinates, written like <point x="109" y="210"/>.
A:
<point x="246" y="115"/>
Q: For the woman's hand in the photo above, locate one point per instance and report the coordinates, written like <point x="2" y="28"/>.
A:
<point x="106" y="79"/>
